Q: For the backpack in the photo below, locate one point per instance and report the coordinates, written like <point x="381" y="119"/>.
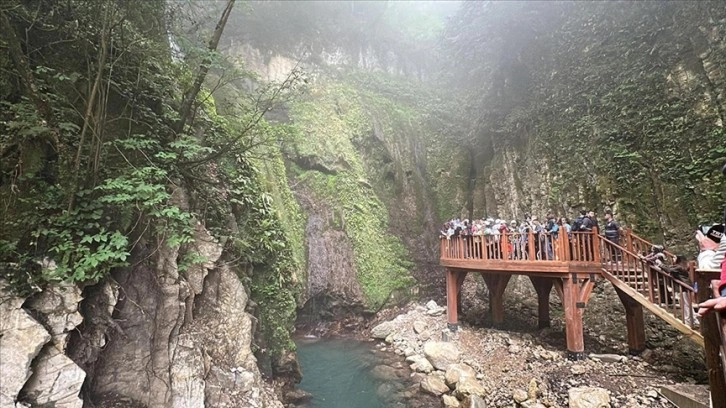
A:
<point x="577" y="224"/>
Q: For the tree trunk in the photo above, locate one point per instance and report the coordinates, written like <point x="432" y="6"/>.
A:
<point x="189" y="97"/>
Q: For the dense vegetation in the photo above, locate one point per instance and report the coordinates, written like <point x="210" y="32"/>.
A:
<point x="107" y="139"/>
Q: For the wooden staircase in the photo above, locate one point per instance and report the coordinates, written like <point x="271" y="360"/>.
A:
<point x="656" y="290"/>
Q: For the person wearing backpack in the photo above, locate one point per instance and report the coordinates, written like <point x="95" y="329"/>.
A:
<point x="577" y="224"/>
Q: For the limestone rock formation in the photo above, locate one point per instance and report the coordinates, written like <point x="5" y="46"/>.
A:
<point x="33" y="367"/>
<point x="56" y="380"/>
<point x="21" y="339"/>
<point x="186" y="335"/>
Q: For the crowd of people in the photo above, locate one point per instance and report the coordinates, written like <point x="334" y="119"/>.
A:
<point x="483" y="237"/>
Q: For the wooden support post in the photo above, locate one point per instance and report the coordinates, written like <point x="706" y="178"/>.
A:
<point x="575" y="294"/>
<point x="634" y="323"/>
<point x="530" y="243"/>
<point x="543" y="286"/>
<point x="452" y="299"/>
<point x="712" y="345"/>
<point x="595" y="245"/>
<point x="496" y="283"/>
<point x="629" y="240"/>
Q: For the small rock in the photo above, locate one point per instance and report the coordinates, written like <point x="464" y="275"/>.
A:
<point x="588" y="397"/>
<point x="520" y="396"/>
<point x="431" y="305"/>
<point x="383" y="330"/>
<point x="578" y="369"/>
<point x="419" y="326"/>
<point x="434" y="385"/>
<point x="473" y="401"/>
<point x="532" y="390"/>
<point x="450" y="402"/>
<point x="652" y="394"/>
<point x="514" y="349"/>
<point x="436" y="312"/>
<point x="609" y="358"/>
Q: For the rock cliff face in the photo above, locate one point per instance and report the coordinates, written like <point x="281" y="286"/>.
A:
<point x="597" y="105"/>
<point x="151" y="335"/>
<point x="34" y="368"/>
<point x="183" y="335"/>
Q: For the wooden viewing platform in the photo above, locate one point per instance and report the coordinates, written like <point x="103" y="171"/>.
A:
<point x="572" y="263"/>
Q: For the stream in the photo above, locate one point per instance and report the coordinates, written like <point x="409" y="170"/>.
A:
<point x="353" y="374"/>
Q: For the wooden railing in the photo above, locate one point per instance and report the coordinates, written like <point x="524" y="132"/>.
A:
<point x="543" y="246"/>
<point x="636" y="244"/>
<point x="658" y="286"/>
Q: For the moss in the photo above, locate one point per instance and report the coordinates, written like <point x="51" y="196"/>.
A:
<point x="332" y="121"/>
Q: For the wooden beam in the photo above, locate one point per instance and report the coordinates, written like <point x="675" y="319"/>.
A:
<point x="496" y="283"/>
<point x="570" y="289"/>
<point x="543" y="287"/>
<point x="634" y="322"/>
<point x="521" y="266"/>
<point x="453" y="285"/>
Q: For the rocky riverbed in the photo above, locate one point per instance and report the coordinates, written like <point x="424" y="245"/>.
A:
<point x="477" y="366"/>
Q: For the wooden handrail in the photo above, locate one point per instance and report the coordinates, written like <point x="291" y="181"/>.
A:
<point x="657" y="285"/>
<point x="644" y="243"/>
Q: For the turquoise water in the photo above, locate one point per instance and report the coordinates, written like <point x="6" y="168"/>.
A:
<point x="337" y="373"/>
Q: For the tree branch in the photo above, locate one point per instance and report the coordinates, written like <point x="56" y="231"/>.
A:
<point x="26" y="75"/>
<point x="191" y="95"/>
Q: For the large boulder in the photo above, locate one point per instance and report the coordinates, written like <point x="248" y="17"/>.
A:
<point x="21" y="339"/>
<point x="384" y="330"/>
<point x="441" y="355"/>
<point x="420" y="364"/>
<point x="467" y="387"/>
<point x="589" y="397"/>
<point x="457" y="372"/>
<point x="434" y="385"/>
